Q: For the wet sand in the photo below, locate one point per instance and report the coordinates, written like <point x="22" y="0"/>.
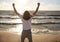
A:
<point x="11" y="37"/>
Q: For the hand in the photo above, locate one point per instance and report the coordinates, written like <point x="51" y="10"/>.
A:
<point x="38" y="4"/>
<point x="13" y="4"/>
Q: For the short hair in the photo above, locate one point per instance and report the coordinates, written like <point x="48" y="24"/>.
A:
<point x="26" y="15"/>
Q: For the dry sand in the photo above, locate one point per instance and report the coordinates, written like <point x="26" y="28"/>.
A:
<point x="10" y="37"/>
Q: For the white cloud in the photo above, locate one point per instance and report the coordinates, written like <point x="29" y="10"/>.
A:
<point x="43" y="6"/>
<point x="49" y="6"/>
<point x="5" y="6"/>
<point x="30" y="6"/>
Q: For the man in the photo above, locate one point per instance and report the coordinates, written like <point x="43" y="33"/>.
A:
<point x="26" y="19"/>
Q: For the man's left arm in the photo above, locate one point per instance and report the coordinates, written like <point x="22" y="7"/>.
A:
<point x="36" y="9"/>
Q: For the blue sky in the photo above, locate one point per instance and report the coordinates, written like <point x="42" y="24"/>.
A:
<point x="31" y="4"/>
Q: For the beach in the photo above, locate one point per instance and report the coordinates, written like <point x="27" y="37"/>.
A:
<point x="11" y="37"/>
<point x="45" y="27"/>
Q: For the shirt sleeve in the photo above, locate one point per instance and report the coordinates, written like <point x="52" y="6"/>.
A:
<point x="20" y="15"/>
<point x="31" y="15"/>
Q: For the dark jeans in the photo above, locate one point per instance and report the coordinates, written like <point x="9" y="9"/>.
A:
<point x="26" y="34"/>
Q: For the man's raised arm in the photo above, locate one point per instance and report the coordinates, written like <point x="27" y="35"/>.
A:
<point x="15" y="9"/>
<point x="36" y="8"/>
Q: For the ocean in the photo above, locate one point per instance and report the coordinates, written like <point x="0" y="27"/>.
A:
<point x="45" y="22"/>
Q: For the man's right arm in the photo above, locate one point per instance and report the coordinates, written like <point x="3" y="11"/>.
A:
<point x="15" y="9"/>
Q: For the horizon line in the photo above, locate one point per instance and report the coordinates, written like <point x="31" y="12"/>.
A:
<point x="32" y="10"/>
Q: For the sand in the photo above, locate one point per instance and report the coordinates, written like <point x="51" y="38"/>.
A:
<point x="11" y="37"/>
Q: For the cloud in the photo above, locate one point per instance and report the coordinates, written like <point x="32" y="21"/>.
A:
<point x="49" y="6"/>
<point x="30" y="6"/>
<point x="44" y="6"/>
<point x="5" y="0"/>
<point x="5" y="6"/>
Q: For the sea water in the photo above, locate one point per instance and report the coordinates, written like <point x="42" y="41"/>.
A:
<point x="44" y="22"/>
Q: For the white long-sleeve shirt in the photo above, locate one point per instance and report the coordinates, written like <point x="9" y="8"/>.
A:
<point x="26" y="23"/>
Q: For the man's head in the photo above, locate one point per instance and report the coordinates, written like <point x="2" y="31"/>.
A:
<point x="26" y="15"/>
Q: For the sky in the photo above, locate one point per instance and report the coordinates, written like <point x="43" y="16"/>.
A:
<point x="30" y="4"/>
